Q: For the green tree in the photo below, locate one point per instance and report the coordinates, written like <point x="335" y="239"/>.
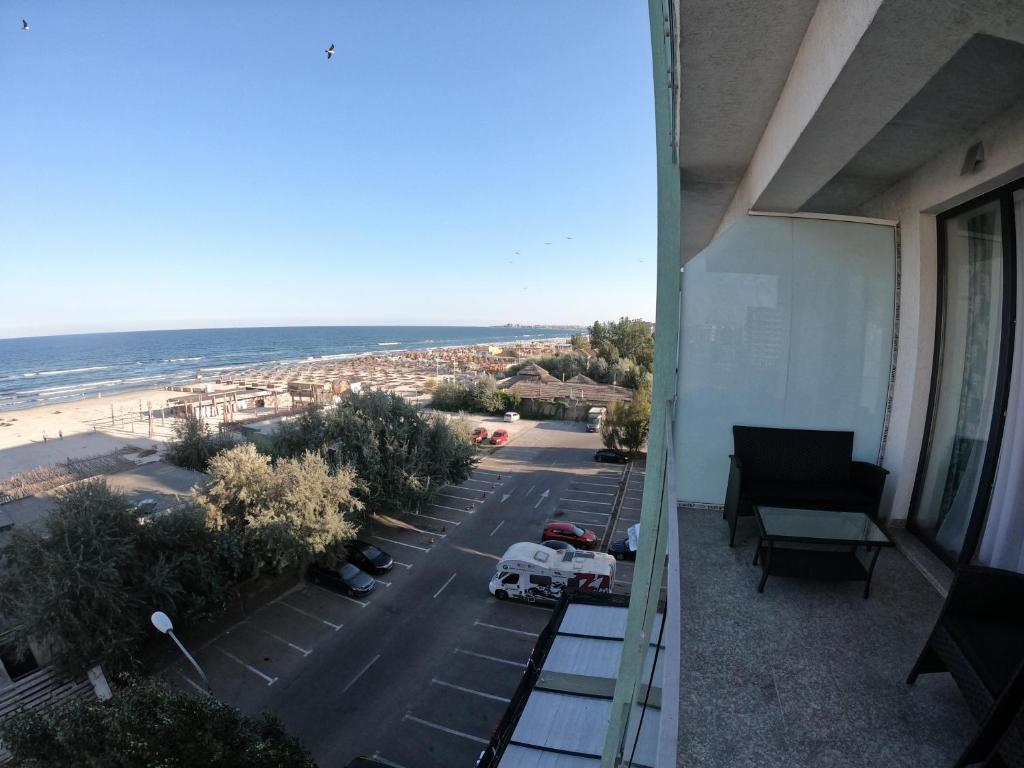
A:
<point x="193" y="444"/>
<point x="627" y="423"/>
<point x="391" y="446"/>
<point x="146" y="724"/>
<point x="282" y="511"/>
<point x="452" y="396"/>
<point x="85" y="582"/>
<point x="625" y="338"/>
<point x="579" y="342"/>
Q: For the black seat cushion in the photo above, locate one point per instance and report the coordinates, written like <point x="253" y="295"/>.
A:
<point x="993" y="645"/>
<point x="838" y="496"/>
<point x="794" y="455"/>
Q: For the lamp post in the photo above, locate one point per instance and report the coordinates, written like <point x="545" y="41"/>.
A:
<point x="163" y="624"/>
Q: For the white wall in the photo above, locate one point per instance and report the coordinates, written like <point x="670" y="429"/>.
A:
<point x="914" y="202"/>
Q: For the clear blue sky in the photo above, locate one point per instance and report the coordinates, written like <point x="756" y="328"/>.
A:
<point x="197" y="164"/>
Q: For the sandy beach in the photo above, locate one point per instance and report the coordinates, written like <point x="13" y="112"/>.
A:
<point x="53" y="434"/>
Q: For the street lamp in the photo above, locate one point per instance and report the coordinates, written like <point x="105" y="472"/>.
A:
<point x="163" y="624"/>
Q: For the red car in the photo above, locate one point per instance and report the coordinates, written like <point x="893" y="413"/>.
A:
<point x="571" y="533"/>
<point x="500" y="437"/>
<point x="479" y="435"/>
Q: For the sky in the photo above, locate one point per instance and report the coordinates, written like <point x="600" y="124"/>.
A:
<point x="195" y="164"/>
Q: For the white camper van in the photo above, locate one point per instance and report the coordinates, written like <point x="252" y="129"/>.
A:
<point x="534" y="572"/>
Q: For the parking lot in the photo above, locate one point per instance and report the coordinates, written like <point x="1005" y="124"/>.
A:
<point x="419" y="671"/>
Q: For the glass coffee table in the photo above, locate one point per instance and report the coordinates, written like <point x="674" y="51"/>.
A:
<point x="817" y="544"/>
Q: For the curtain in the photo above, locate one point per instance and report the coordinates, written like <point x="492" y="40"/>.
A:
<point x="1002" y="543"/>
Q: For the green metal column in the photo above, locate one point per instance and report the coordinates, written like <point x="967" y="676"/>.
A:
<point x="650" y="558"/>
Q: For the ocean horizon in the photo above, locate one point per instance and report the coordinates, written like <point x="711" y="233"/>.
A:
<point x="42" y="370"/>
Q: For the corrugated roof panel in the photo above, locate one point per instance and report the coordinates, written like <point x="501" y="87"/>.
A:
<point x="600" y="621"/>
<point x="572" y="723"/>
<point x="523" y="757"/>
<point x="589" y="656"/>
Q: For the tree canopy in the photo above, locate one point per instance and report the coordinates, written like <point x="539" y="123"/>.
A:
<point x="401" y="457"/>
<point x="624" y="338"/>
<point x="146" y="724"/>
<point x="87" y="580"/>
<point x="282" y="511"/>
<point x="193" y="445"/>
<point x="626" y="424"/>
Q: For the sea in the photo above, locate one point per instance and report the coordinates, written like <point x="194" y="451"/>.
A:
<point x="42" y="370"/>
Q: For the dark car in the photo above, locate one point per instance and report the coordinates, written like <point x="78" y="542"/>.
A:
<point x="611" y="455"/>
<point x="345" y="578"/>
<point x="620" y="550"/>
<point x="367" y="762"/>
<point x="369" y="558"/>
<point x="570" y="533"/>
<point x="561" y="546"/>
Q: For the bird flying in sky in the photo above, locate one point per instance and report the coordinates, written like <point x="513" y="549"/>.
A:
<point x="24" y="26"/>
<point x="330" y="52"/>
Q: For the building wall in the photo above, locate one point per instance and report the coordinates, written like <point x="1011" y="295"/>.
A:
<point x="914" y="202"/>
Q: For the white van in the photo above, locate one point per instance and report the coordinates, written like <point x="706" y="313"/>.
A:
<point x="533" y="572"/>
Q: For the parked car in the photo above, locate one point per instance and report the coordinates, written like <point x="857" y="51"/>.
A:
<point x="345" y="578"/>
<point x="560" y="546"/>
<point x="369" y="558"/>
<point x="620" y="550"/>
<point x="511" y="416"/>
<point x="571" y="533"/>
<point x="500" y="437"/>
<point x="611" y="455"/>
<point x="479" y="435"/>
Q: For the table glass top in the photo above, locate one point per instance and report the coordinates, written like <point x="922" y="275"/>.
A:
<point x="816" y="524"/>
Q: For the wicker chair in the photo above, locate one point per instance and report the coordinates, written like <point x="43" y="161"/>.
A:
<point x="979" y="640"/>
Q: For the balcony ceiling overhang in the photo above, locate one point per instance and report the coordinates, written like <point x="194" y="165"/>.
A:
<point x="734" y="57"/>
<point x="812" y="107"/>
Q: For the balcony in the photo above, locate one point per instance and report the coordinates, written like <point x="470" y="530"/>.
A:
<point x="808" y="673"/>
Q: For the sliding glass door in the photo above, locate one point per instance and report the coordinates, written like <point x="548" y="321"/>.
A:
<point x="969" y="382"/>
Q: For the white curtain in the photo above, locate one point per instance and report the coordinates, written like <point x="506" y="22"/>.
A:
<point x="1002" y="544"/>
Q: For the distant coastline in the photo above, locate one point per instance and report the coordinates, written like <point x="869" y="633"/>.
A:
<point x="45" y="370"/>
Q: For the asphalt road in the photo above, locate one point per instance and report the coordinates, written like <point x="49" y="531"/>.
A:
<point x="419" y="672"/>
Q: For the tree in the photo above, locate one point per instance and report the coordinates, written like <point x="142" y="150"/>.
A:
<point x="86" y="582"/>
<point x="392" y="447"/>
<point x="146" y="723"/>
<point x="625" y="338"/>
<point x="282" y="512"/>
<point x="451" y="396"/>
<point x="579" y="342"/>
<point x="193" y="445"/>
<point x="627" y="423"/>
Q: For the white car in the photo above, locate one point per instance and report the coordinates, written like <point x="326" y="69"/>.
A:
<point x="511" y="416"/>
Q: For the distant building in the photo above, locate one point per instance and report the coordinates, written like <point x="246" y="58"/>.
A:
<point x="544" y="395"/>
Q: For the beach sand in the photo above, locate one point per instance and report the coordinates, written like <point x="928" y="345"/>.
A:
<point x="100" y="425"/>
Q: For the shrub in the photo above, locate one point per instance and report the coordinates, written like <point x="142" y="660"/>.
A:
<point x="193" y="445"/>
<point x="626" y="424"/>
<point x="146" y="724"/>
<point x="87" y="581"/>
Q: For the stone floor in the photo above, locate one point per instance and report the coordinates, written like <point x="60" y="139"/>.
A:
<point x="808" y="673"/>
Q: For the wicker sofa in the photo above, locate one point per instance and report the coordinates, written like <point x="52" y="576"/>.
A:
<point x="979" y="640"/>
<point x="801" y="468"/>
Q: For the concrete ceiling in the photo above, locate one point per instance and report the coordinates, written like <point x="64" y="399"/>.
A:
<point x="734" y="57"/>
<point x="981" y="80"/>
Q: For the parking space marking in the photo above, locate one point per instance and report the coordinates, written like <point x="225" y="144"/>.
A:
<point x="496" y="528"/>
<point x="399" y="543"/>
<point x="404" y="565"/>
<point x="486" y="472"/>
<point x="453" y="509"/>
<point x="303" y="651"/>
<point x="505" y="629"/>
<point x="588" y="501"/>
<point x="591" y="493"/>
<point x="585" y="512"/>
<point x="409" y="526"/>
<point x="360" y="673"/>
<point x="492" y="483"/>
<point x="270" y="680"/>
<point x="385" y="761"/>
<point x="333" y="626"/>
<point x="490" y="658"/>
<point x="360" y="603"/>
<point x="194" y="684"/>
<point x="381" y="581"/>
<point x="461" y="498"/>
<point x="481" y="694"/>
<point x="595" y="485"/>
<point x="450" y="579"/>
<point x="452" y="731"/>
<point x="439" y="519"/>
